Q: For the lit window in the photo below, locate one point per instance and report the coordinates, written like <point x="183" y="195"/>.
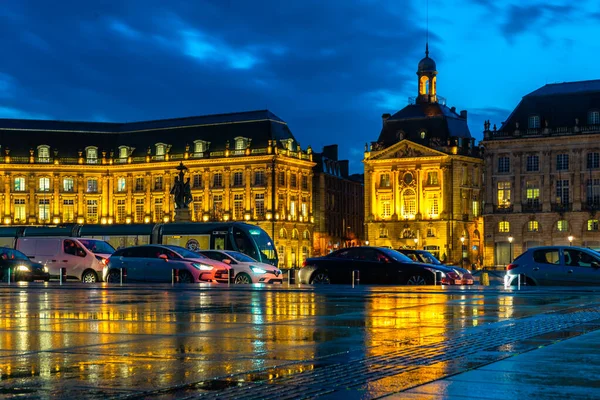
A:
<point x="200" y="146"/>
<point x="534" y="122"/>
<point x="20" y="210"/>
<point x="44" y="185"/>
<point x="43" y="153"/>
<point x="19" y="184"/>
<point x="240" y="143"/>
<point x="533" y="226"/>
<point x="123" y="151"/>
<point x="160" y="149"/>
<point x="121" y="185"/>
<point x="282" y="233"/>
<point x="532" y="194"/>
<point x="504" y="227"/>
<point x="259" y="205"/>
<point x="504" y="193"/>
<point x="158" y="209"/>
<point x="91" y="155"/>
<point x="386" y="206"/>
<point x="44" y="209"/>
<point x="92" y="185"/>
<point x="432" y="178"/>
<point x="409" y="203"/>
<point x="423" y="134"/>
<point x="68" y="184"/>
<point x="433" y="205"/>
<point x="68" y="210"/>
<point x="592" y="225"/>
<point x="562" y="225"/>
<point x="238" y="207"/>
<point x="92" y="211"/>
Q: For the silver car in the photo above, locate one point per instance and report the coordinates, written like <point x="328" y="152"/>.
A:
<point x="555" y="265"/>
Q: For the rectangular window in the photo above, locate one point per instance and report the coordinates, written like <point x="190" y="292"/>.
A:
<point x="68" y="210"/>
<point x="197" y="181"/>
<point x="259" y="205"/>
<point x="68" y="185"/>
<point x="562" y="225"/>
<point x="238" y="207"/>
<point x="294" y="180"/>
<point x="19" y="184"/>
<point x="534" y="122"/>
<point x="121" y="211"/>
<point x="281" y="206"/>
<point x="503" y="164"/>
<point x="158" y="183"/>
<point x="92" y="211"/>
<point x="533" y="226"/>
<point x="139" y="184"/>
<point x="20" y="215"/>
<point x="259" y="178"/>
<point x="304" y="182"/>
<point x="139" y="210"/>
<point x="475" y="206"/>
<point x="593" y="192"/>
<point x="218" y="180"/>
<point x="158" y="210"/>
<point x="592" y="225"/>
<point x="594" y="118"/>
<point x="504" y="227"/>
<point x="386" y="206"/>
<point x="532" y="194"/>
<point x="217" y="206"/>
<point x="281" y="178"/>
<point x="198" y="208"/>
<point x="238" y="179"/>
<point x="121" y="185"/>
<point x="533" y="163"/>
<point x="293" y="205"/>
<point x="44" y="209"/>
<point x="562" y="192"/>
<point x="92" y="185"/>
<point x="384" y="181"/>
<point x="44" y="185"/>
<point x="304" y="207"/>
<point x="433" y="205"/>
<point x="593" y="160"/>
<point x="562" y="162"/>
<point x="432" y="178"/>
<point x="504" y="194"/>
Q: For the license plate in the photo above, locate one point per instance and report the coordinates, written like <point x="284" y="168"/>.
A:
<point x="458" y="282"/>
<point x="468" y="282"/>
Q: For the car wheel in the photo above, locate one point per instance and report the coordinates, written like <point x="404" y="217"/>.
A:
<point x="114" y="276"/>
<point x="416" y="280"/>
<point x="320" y="277"/>
<point x="89" y="276"/>
<point x="242" y="278"/>
<point x="185" y="277"/>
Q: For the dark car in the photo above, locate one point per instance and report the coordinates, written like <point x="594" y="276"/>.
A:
<point x="21" y="267"/>
<point x="375" y="265"/>
<point x="462" y="276"/>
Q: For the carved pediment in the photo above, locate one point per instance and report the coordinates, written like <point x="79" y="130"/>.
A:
<point x="406" y="149"/>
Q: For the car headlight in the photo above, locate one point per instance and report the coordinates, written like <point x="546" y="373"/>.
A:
<point x="45" y="269"/>
<point x="202" y="267"/>
<point x="257" y="270"/>
<point x="22" y="268"/>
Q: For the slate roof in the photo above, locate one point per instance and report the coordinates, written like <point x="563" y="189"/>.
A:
<point x="69" y="137"/>
<point x="557" y="104"/>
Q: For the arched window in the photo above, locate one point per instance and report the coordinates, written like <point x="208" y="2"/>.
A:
<point x="504" y="227"/>
<point x="409" y="203"/>
<point x="282" y="233"/>
<point x="91" y="155"/>
<point x="533" y="226"/>
<point x="160" y="149"/>
<point x="123" y="151"/>
<point x="592" y="225"/>
<point x="43" y="153"/>
<point x="240" y="143"/>
<point x="200" y="146"/>
<point x="305" y="253"/>
<point x="306" y="235"/>
<point x="562" y="225"/>
<point x="295" y="234"/>
<point x="424" y="85"/>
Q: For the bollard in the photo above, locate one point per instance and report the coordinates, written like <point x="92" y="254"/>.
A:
<point x="123" y="275"/>
<point x="230" y="275"/>
<point x="355" y="277"/>
<point x="291" y="276"/>
<point x="63" y="275"/>
<point x="519" y="282"/>
<point x="174" y="276"/>
<point x="9" y="275"/>
<point x="485" y="279"/>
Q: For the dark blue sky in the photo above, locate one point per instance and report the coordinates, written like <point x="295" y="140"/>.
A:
<point x="329" y="68"/>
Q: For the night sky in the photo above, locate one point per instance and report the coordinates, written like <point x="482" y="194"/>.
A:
<point x="329" y="68"/>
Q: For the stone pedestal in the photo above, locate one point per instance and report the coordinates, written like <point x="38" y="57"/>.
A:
<point x="183" y="215"/>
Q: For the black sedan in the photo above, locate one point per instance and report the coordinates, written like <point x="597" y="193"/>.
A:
<point x="21" y="267"/>
<point x="375" y="265"/>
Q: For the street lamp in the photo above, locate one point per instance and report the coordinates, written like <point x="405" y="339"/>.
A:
<point x="510" y="240"/>
<point x="570" y="240"/>
<point x="416" y="242"/>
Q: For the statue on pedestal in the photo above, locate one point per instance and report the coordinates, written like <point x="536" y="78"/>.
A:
<point x="181" y="191"/>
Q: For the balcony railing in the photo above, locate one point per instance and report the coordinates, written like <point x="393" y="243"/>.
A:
<point x="560" y="207"/>
<point x="531" y="207"/>
<point x="503" y="209"/>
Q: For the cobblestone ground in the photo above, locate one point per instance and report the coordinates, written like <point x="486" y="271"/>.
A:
<point x="233" y="342"/>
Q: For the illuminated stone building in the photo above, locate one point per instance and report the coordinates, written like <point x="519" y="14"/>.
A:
<point x="242" y="166"/>
<point x="338" y="203"/>
<point x="423" y="178"/>
<point x="543" y="172"/>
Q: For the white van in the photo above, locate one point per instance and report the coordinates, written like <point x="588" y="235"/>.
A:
<point x="59" y="252"/>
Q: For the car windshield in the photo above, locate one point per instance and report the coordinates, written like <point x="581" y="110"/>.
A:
<point x="429" y="258"/>
<point x="185" y="253"/>
<point x="240" y="256"/>
<point x="97" y="246"/>
<point x="11" y="254"/>
<point x="396" y="255"/>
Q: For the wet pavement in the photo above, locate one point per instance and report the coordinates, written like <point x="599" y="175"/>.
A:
<point x="329" y="342"/>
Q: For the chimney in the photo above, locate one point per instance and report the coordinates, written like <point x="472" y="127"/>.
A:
<point x="453" y="109"/>
<point x="463" y="114"/>
<point x="384" y="117"/>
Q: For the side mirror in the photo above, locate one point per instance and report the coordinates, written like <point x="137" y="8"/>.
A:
<point x="163" y="257"/>
<point x="595" y="264"/>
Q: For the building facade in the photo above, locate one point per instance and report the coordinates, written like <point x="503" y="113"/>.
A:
<point x="543" y="172"/>
<point x="423" y="182"/>
<point x="242" y="166"/>
<point x="338" y="203"/>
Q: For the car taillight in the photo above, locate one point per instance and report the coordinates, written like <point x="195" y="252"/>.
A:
<point x="511" y="266"/>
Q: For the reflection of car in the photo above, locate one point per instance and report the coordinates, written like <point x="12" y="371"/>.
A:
<point x="155" y="263"/>
<point x="555" y="265"/>
<point x="464" y="275"/>
<point x="21" y="267"/>
<point x="376" y="265"/>
<point x="246" y="269"/>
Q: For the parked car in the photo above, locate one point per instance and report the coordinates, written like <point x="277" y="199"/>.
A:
<point x="21" y="267"/>
<point x="555" y="265"/>
<point x="100" y="248"/>
<point x="63" y="252"/>
<point x="376" y="265"/>
<point x="155" y="263"/>
<point x="464" y="275"/>
<point x="246" y="268"/>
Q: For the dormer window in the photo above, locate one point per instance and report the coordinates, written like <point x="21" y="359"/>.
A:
<point x="160" y="149"/>
<point x="91" y="154"/>
<point x="123" y="151"/>
<point x="43" y="153"/>
<point x="200" y="146"/>
<point x="594" y="118"/>
<point x="423" y="134"/>
<point x="241" y="143"/>
<point x="288" y="144"/>
<point x="534" y="122"/>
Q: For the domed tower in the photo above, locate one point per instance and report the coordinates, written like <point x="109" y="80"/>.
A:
<point x="427" y="79"/>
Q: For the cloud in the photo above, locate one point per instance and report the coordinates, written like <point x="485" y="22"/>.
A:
<point x="122" y="28"/>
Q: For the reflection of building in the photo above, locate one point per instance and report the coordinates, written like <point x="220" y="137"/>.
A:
<point x="338" y="203"/>
<point x="423" y="178"/>
<point x="543" y="172"/>
<point x="242" y="166"/>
